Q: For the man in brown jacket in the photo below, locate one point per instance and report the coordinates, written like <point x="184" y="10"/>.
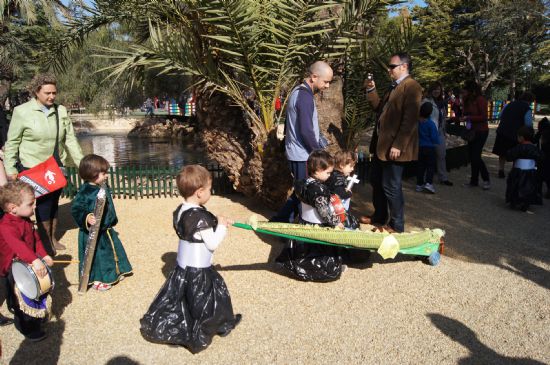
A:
<point x="394" y="142"/>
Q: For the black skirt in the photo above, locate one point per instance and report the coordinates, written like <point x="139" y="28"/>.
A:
<point x="190" y="309"/>
<point x="311" y="262"/>
<point x="523" y="188"/>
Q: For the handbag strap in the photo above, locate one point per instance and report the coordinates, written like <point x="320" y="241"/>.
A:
<point x="56" y="147"/>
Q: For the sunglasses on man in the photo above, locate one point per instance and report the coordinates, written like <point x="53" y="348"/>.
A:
<point x="392" y="66"/>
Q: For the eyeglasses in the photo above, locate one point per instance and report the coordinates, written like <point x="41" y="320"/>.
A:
<point x="392" y="66"/>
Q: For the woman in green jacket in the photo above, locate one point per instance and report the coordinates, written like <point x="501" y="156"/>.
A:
<point x="32" y="139"/>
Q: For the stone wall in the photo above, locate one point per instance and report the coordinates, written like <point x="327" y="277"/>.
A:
<point x="90" y="123"/>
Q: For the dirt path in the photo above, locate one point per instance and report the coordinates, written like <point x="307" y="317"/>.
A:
<point x="486" y="303"/>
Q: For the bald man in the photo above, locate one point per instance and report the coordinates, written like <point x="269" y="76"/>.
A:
<point x="302" y="135"/>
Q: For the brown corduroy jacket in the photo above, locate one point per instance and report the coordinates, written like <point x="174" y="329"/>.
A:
<point x="398" y="120"/>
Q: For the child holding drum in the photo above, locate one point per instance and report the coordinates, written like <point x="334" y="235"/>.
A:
<point x="20" y="241"/>
<point x="110" y="264"/>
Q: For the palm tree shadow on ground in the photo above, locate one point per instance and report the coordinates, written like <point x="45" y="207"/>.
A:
<point x="479" y="352"/>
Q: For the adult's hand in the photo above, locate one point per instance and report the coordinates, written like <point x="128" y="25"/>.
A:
<point x="369" y="84"/>
<point x="394" y="153"/>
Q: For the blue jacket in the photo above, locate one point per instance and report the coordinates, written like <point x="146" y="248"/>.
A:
<point x="427" y="133"/>
<point x="302" y="124"/>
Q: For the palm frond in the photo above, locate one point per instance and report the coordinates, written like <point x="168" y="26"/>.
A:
<point x="234" y="45"/>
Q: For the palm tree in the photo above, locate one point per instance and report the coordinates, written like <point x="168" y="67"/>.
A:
<point x="16" y="15"/>
<point x="234" y="49"/>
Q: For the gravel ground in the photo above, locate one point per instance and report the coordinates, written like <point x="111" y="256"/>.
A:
<point x="487" y="302"/>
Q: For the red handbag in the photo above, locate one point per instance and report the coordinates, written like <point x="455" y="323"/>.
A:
<point x="45" y="178"/>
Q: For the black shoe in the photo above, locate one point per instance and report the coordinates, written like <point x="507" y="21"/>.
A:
<point x="447" y="182"/>
<point x="501" y="174"/>
<point x="4" y="321"/>
<point x="36" y="336"/>
<point x="238" y="318"/>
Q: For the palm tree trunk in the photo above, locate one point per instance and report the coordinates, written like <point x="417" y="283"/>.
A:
<point x="330" y="108"/>
<point x="254" y="163"/>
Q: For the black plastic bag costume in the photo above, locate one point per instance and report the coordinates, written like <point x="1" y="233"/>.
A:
<point x="194" y="304"/>
<point x="307" y="261"/>
<point x="337" y="183"/>
<point x="523" y="186"/>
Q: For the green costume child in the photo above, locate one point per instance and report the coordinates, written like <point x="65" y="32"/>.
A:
<point x="110" y="262"/>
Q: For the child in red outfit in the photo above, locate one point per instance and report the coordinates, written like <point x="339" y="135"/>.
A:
<point x="18" y="239"/>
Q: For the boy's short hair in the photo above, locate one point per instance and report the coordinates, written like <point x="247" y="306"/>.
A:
<point x="11" y="193"/>
<point x="343" y="158"/>
<point x="191" y="178"/>
<point x="526" y="132"/>
<point x="319" y="160"/>
<point x="91" y="165"/>
<point x="426" y="110"/>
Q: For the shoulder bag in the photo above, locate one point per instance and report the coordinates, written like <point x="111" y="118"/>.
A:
<point x="47" y="176"/>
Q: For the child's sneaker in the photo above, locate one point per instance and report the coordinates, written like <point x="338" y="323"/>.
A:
<point x="429" y="188"/>
<point x="486" y="185"/>
<point x="101" y="286"/>
<point x="418" y="188"/>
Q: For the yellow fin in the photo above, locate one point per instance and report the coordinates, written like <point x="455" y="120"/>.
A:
<point x="253" y="221"/>
<point x="389" y="247"/>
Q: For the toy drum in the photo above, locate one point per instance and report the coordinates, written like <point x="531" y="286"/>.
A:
<point x="28" y="282"/>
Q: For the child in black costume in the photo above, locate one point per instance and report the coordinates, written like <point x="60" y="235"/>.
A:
<point x="194" y="304"/>
<point x="344" y="163"/>
<point x="542" y="139"/>
<point x="522" y="185"/>
<point x="307" y="261"/>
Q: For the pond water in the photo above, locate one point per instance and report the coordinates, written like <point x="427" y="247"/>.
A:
<point x="120" y="150"/>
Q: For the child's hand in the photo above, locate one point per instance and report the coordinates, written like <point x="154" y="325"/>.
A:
<point x="91" y="219"/>
<point x="48" y="260"/>
<point x="340" y="225"/>
<point x="39" y="268"/>
<point x="225" y="221"/>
